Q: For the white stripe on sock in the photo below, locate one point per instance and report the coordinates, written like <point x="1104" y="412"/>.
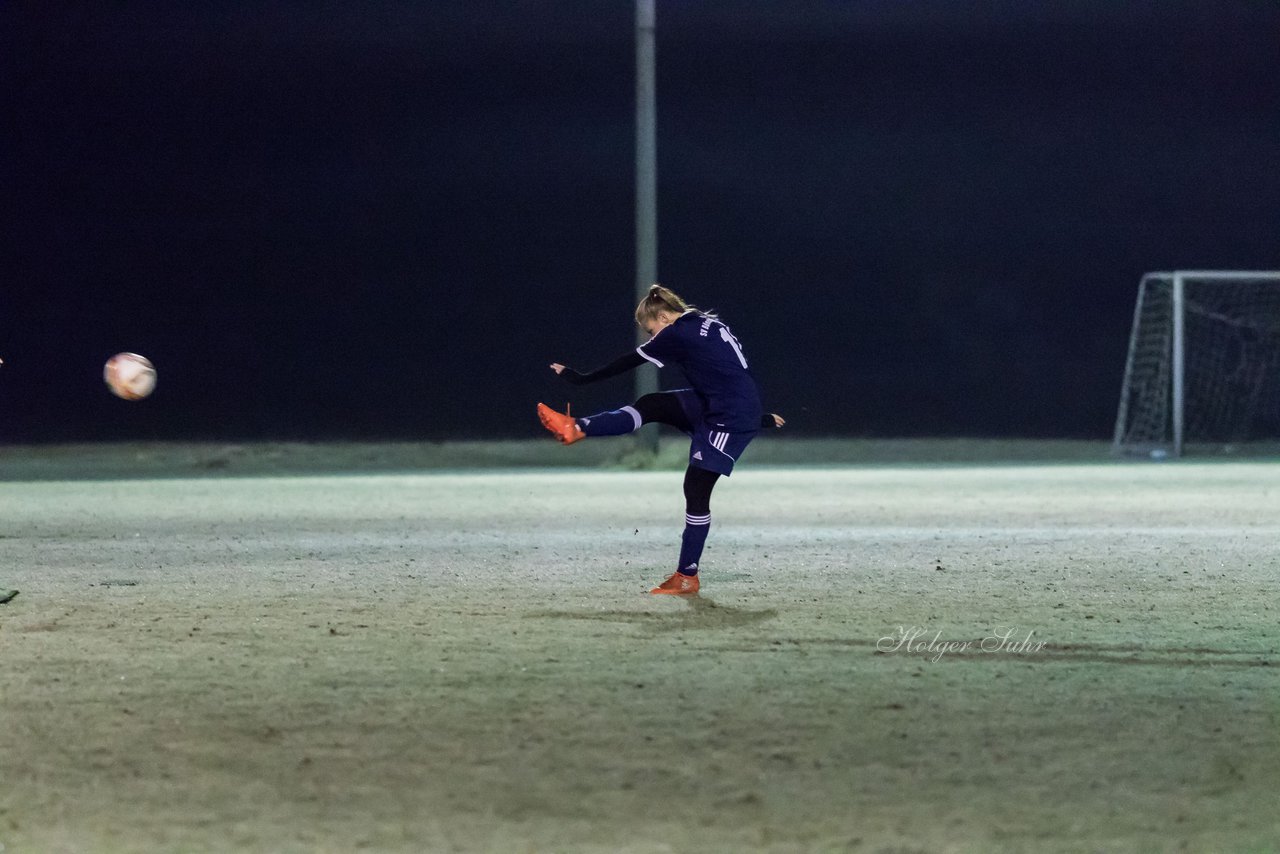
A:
<point x="635" y="416"/>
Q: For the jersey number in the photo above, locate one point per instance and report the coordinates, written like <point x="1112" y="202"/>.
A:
<point x="727" y="337"/>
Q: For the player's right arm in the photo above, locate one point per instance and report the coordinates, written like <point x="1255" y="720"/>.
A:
<point x="622" y="364"/>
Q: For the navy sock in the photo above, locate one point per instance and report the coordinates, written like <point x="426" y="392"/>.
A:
<point x="613" y="423"/>
<point x="692" y="541"/>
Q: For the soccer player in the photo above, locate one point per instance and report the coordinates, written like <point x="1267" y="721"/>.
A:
<point x="721" y="412"/>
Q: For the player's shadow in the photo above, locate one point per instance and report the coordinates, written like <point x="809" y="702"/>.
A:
<point x="698" y="612"/>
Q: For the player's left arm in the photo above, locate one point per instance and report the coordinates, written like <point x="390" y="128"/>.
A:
<point x="772" y="420"/>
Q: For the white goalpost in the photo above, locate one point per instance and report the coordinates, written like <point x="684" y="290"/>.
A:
<point x="1203" y="368"/>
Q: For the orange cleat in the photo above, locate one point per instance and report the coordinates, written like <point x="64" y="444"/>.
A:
<point x="564" y="427"/>
<point x="678" y="584"/>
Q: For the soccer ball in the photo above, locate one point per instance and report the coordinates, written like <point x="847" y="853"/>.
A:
<point x="130" y="376"/>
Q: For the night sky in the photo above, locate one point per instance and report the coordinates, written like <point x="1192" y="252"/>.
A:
<point x="384" y="219"/>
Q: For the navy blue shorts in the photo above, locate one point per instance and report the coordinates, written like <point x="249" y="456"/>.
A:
<point x="712" y="447"/>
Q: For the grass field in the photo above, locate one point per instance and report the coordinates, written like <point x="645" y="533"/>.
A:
<point x="885" y="658"/>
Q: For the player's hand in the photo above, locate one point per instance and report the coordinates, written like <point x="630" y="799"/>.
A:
<point x="778" y="420"/>
<point x="567" y="374"/>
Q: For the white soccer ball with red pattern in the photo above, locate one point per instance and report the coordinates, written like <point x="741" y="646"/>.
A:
<point x="130" y="376"/>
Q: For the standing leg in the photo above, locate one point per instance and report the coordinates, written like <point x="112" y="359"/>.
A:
<point x="698" y="484"/>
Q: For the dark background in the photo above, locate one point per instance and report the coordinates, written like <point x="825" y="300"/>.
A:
<point x="384" y="219"/>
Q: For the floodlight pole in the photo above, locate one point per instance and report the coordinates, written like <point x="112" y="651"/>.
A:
<point x="646" y="376"/>
<point x="1179" y="366"/>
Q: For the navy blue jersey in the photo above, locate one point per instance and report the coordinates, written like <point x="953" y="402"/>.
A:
<point x="713" y="361"/>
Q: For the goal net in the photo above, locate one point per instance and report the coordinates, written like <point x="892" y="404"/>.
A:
<point x="1203" y="371"/>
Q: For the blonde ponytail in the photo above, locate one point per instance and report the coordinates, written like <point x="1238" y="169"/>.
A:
<point x="660" y="299"/>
